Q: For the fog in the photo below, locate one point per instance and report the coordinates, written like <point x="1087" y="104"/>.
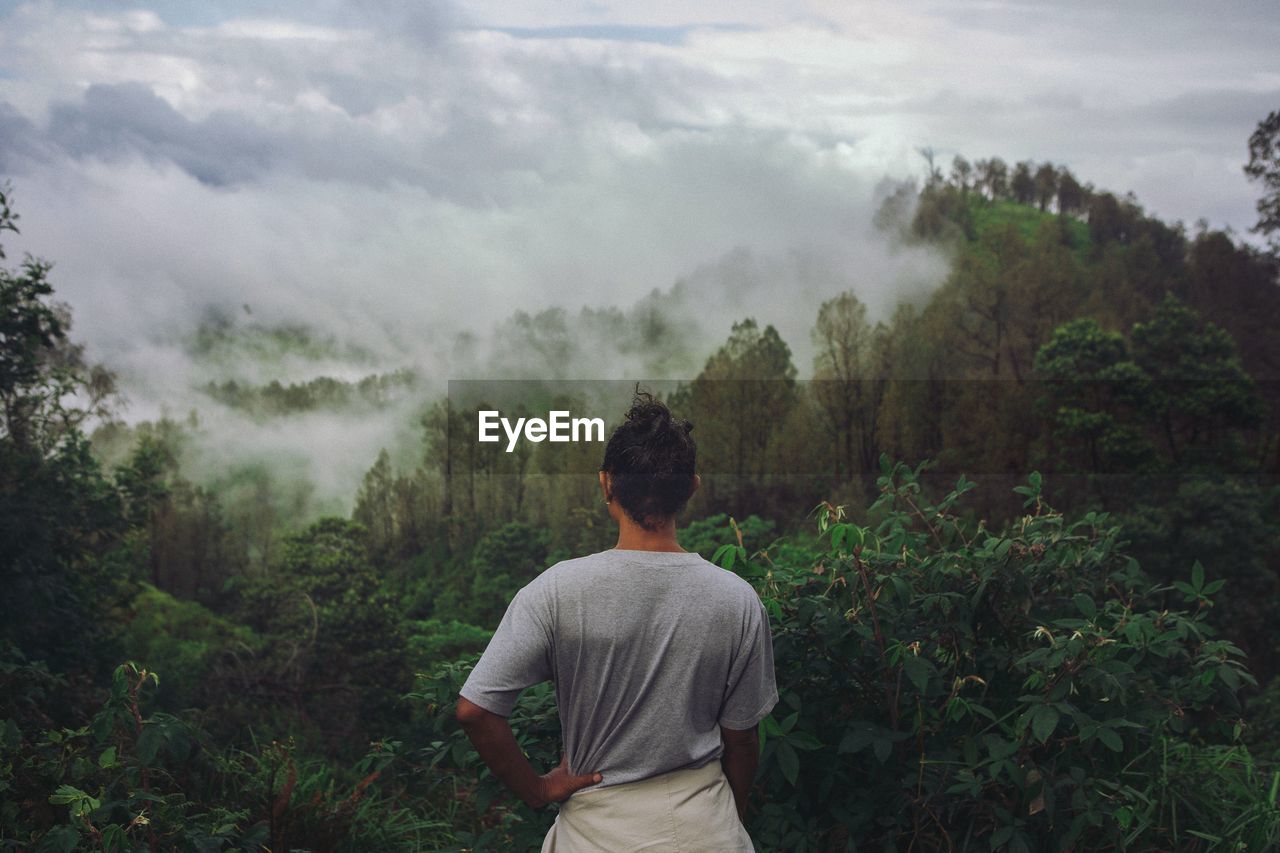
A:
<point x="477" y="190"/>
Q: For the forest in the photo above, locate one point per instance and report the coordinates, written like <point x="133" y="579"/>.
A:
<point x="1019" y="543"/>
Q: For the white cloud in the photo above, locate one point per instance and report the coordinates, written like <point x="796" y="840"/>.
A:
<point x="396" y="176"/>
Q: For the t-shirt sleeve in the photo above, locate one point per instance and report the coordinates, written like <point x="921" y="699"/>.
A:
<point x="518" y="656"/>
<point x="751" y="691"/>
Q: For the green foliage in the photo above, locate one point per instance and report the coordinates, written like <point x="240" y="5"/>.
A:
<point x="707" y="534"/>
<point x="1201" y="394"/>
<point x="433" y="641"/>
<point x="187" y="642"/>
<point x="950" y="687"/>
<point x="502" y="561"/>
<point x="274" y="399"/>
<point x="751" y="376"/>
<point x="1097" y="395"/>
<point x="481" y="812"/>
<point x="61" y="521"/>
<point x="1231" y="526"/>
<point x="1264" y="167"/>
<point x="947" y="685"/>
<point x="130" y="780"/>
<point x="992" y="216"/>
<point x="1177" y="398"/>
<point x="337" y="642"/>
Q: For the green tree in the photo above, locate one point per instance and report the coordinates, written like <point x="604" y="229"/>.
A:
<point x="993" y="178"/>
<point x="61" y="519"/>
<point x="1202" y="397"/>
<point x="1046" y="185"/>
<point x="1094" y="390"/>
<point x="847" y="385"/>
<point x="1071" y="196"/>
<point x="1022" y="185"/>
<point x="961" y="171"/>
<point x="737" y="404"/>
<point x="375" y="505"/>
<point x="1264" y="167"/>
<point x="503" y="561"/>
<point x="338" y="649"/>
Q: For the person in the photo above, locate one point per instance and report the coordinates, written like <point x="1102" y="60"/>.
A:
<point x="662" y="664"/>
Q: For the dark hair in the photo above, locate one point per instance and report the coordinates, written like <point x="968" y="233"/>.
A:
<point x="650" y="459"/>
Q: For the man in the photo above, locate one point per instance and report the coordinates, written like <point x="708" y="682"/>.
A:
<point x="662" y="664"/>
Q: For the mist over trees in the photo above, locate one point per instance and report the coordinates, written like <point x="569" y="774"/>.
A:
<point x="1047" y="552"/>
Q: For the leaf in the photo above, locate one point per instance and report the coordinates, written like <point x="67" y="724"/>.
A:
<point x="882" y="746"/>
<point x="856" y="740"/>
<point x="114" y="839"/>
<point x="901" y="588"/>
<point x="788" y="762"/>
<point x="1044" y="722"/>
<point x="60" y="839"/>
<point x="724" y="556"/>
<point x="108" y="758"/>
<point x="1197" y="575"/>
<point x="918" y="670"/>
<point x="66" y="794"/>
<point x="1110" y="739"/>
<point x="804" y="740"/>
<point x="1085" y="605"/>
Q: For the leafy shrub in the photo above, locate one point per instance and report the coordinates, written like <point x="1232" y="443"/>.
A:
<point x="502" y="561"/>
<point x="707" y="534"/>
<point x="185" y="641"/>
<point x="337" y="647"/>
<point x="482" y="813"/>
<point x="946" y="687"/>
<point x="954" y="688"/>
<point x="130" y="780"/>
<point x="433" y="640"/>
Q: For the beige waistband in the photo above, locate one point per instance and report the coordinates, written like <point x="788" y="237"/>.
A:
<point x="690" y="810"/>
<point x="685" y="776"/>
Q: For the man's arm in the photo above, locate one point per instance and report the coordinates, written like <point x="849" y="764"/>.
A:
<point x="739" y="759"/>
<point x="492" y="737"/>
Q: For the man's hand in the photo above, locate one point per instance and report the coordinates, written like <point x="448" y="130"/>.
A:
<point x="559" y="784"/>
<point x="496" y="743"/>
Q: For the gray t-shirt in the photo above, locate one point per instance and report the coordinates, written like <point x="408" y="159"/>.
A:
<point x="650" y="652"/>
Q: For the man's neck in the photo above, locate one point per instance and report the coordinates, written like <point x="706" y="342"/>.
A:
<point x="633" y="537"/>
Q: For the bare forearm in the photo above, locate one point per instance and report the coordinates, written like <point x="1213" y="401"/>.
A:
<point x="739" y="762"/>
<point x="492" y="737"/>
<point x="496" y="743"/>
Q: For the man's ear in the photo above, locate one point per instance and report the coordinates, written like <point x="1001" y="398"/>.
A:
<point x="697" y="481"/>
<point x="605" y="485"/>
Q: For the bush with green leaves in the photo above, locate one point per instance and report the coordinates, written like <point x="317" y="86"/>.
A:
<point x="944" y="686"/>
<point x="707" y="534"/>
<point x="504" y="560"/>
<point x="186" y="641"/>
<point x="482" y="813"/>
<point x="133" y="779"/>
<point x="433" y="641"/>
<point x="337" y="652"/>
<point x="957" y="688"/>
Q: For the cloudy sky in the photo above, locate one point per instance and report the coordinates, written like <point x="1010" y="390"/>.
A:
<point x="395" y="173"/>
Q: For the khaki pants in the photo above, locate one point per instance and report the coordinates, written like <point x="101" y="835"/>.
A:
<point x="684" y="811"/>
